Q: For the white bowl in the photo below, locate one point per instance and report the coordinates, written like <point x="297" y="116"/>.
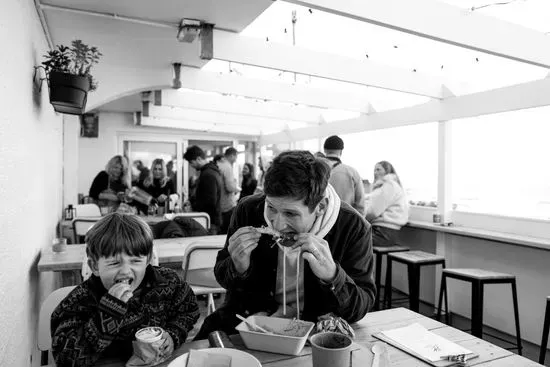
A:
<point x="292" y="342"/>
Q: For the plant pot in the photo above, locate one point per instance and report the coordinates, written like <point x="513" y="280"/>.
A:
<point x="68" y="92"/>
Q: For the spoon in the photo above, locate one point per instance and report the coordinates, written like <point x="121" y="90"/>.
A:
<point x="252" y="325"/>
<point x="377" y="349"/>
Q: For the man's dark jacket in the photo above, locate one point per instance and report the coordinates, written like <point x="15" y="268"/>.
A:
<point x="208" y="193"/>
<point x="349" y="296"/>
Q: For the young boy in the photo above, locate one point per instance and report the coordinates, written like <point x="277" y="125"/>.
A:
<point x="100" y="317"/>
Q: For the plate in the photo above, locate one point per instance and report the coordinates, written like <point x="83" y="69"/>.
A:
<point x="238" y="358"/>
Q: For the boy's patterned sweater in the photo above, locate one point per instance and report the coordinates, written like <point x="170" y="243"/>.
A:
<point x="90" y="324"/>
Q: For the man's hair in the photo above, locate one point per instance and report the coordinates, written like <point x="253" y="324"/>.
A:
<point x="299" y="175"/>
<point x="119" y="233"/>
<point x="193" y="153"/>
<point x="230" y="151"/>
<point x="217" y="158"/>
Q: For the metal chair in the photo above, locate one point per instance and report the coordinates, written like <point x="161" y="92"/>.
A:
<point x="545" y="329"/>
<point x="81" y="227"/>
<point x="198" y="270"/>
<point x="88" y="210"/>
<point x="44" y="332"/>
<point x="201" y="217"/>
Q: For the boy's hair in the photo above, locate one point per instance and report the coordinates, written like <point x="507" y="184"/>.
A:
<point x="299" y="175"/>
<point x="118" y="233"/>
<point x="193" y="153"/>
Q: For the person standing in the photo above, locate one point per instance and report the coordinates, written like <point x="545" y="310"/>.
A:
<point x="249" y="182"/>
<point x="208" y="187"/>
<point x="345" y="179"/>
<point x="230" y="189"/>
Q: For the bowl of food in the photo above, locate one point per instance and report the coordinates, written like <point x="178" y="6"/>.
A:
<point x="284" y="336"/>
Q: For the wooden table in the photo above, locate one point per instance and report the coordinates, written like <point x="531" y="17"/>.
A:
<point x="489" y="355"/>
<point x="69" y="262"/>
<point x="67" y="232"/>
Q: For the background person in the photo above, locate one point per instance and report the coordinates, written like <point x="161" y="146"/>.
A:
<point x="330" y="241"/>
<point x="230" y="189"/>
<point x="109" y="187"/>
<point x="387" y="207"/>
<point x="158" y="184"/>
<point x="249" y="182"/>
<point x="208" y="187"/>
<point x="345" y="179"/>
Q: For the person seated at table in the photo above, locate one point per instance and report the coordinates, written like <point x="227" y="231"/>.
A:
<point x="249" y="182"/>
<point x="387" y="207"/>
<point x="328" y="267"/>
<point x="100" y="317"/>
<point x="157" y="183"/>
<point x="110" y="186"/>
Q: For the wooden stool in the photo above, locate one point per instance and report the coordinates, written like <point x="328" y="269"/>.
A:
<point x="545" y="330"/>
<point x="479" y="278"/>
<point x="379" y="252"/>
<point x="414" y="261"/>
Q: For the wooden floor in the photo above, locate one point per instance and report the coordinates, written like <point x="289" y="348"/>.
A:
<point x="530" y="350"/>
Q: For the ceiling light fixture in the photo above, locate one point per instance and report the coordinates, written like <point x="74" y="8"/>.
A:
<point x="188" y="30"/>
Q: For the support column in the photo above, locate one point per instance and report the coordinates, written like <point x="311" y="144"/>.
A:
<point x="444" y="193"/>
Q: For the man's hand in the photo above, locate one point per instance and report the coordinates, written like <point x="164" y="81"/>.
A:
<point x="241" y="244"/>
<point x="122" y="291"/>
<point x="317" y="253"/>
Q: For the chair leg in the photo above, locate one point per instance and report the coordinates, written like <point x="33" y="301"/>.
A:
<point x="516" y="316"/>
<point x="211" y="307"/>
<point x="387" y="286"/>
<point x="43" y="357"/>
<point x="378" y="278"/>
<point x="414" y="287"/>
<point x="442" y="290"/>
<point x="545" y="330"/>
<point x="477" y="309"/>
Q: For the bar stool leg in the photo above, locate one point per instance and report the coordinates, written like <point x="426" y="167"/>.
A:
<point x="477" y="309"/>
<point x="387" y="286"/>
<point x="545" y="330"/>
<point x="516" y="316"/>
<point x="442" y="290"/>
<point x="378" y="278"/>
<point x="447" y="312"/>
<point x="414" y="287"/>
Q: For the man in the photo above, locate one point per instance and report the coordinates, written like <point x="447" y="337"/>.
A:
<point x="143" y="171"/>
<point x="327" y="267"/>
<point x="345" y="179"/>
<point x="208" y="187"/>
<point x="230" y="189"/>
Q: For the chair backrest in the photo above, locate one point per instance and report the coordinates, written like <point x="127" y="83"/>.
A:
<point x="81" y="227"/>
<point x="200" y="256"/>
<point x="46" y="310"/>
<point x="201" y="217"/>
<point x="86" y="272"/>
<point x="88" y="210"/>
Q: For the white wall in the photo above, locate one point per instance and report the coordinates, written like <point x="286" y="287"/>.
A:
<point x="31" y="148"/>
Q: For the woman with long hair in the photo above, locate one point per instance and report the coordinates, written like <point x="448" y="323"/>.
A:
<point x="387" y="208"/>
<point x="109" y="186"/>
<point x="158" y="184"/>
<point x="249" y="182"/>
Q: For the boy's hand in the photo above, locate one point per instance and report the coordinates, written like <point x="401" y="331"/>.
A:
<point x="122" y="291"/>
<point x="167" y="346"/>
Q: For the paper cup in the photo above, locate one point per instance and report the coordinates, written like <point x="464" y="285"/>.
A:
<point x="149" y="334"/>
<point x="331" y="349"/>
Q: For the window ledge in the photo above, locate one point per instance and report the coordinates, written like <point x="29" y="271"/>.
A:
<point x="510" y="238"/>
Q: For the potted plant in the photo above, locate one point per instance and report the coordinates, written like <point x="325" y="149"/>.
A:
<point x="68" y="74"/>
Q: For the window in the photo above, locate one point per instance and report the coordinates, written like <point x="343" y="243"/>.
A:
<point x="500" y="164"/>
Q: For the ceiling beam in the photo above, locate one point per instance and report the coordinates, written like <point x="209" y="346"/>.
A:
<point x="442" y="22"/>
<point x="517" y="97"/>
<point x="252" y="51"/>
<point x="248" y="132"/>
<point x="207" y="81"/>
<point x="233" y="105"/>
<point x="178" y="113"/>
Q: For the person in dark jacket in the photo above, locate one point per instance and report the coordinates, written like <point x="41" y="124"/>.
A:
<point x="109" y="187"/>
<point x="320" y="263"/>
<point x="249" y="182"/>
<point x="100" y="317"/>
<point x="208" y="188"/>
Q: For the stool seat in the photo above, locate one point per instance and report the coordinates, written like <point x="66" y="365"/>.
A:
<point x="478" y="274"/>
<point x="388" y="249"/>
<point x="416" y="257"/>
